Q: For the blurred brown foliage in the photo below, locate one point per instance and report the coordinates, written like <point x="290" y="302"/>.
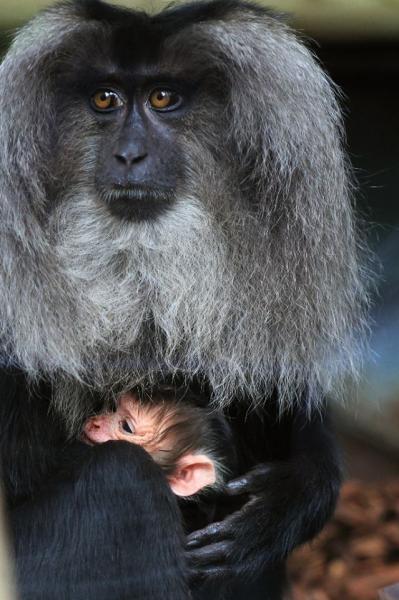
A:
<point x="357" y="553"/>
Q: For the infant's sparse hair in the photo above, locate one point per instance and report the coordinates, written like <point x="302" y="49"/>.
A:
<point x="192" y="443"/>
<point x="190" y="429"/>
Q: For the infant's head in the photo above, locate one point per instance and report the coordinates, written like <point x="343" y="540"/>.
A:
<point x="179" y="436"/>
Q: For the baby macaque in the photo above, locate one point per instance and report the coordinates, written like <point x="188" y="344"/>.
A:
<point x="180" y="437"/>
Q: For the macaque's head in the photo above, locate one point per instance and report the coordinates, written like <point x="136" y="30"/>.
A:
<point x="178" y="436"/>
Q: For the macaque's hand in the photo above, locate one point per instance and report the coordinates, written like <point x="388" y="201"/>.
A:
<point x="229" y="548"/>
<point x="286" y="505"/>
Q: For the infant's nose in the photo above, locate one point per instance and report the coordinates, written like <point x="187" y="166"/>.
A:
<point x="94" y="425"/>
<point x="99" y="429"/>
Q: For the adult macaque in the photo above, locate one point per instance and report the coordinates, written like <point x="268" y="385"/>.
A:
<point x="174" y="203"/>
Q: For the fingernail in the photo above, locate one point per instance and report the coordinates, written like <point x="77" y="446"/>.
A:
<point x="191" y="543"/>
<point x="234" y="486"/>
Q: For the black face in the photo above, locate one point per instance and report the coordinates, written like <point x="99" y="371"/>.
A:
<point x="138" y="159"/>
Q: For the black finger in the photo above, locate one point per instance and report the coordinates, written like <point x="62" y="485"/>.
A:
<point x="238" y="486"/>
<point x="210" y="555"/>
<point x="211" y="533"/>
<point x="250" y="482"/>
<point x="211" y="574"/>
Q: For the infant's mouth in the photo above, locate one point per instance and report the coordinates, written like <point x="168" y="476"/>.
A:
<point x="85" y="439"/>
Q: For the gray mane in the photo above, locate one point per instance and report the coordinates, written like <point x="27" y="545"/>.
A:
<point x="253" y="281"/>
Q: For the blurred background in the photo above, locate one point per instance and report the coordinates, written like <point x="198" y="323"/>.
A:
<point x="358" y="43"/>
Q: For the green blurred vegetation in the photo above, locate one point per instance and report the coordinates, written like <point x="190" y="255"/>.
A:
<point x="332" y="19"/>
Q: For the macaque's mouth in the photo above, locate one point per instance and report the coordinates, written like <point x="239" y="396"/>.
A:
<point x="137" y="202"/>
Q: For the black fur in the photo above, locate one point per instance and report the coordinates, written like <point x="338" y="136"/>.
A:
<point x="106" y="526"/>
<point x="253" y="285"/>
<point x="170" y="20"/>
<point x="101" y="522"/>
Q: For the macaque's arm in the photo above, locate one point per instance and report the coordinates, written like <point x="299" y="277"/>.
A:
<point x="288" y="500"/>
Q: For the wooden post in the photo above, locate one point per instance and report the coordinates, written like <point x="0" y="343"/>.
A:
<point x="7" y="590"/>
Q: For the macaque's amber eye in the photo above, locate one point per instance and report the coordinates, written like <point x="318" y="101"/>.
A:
<point x="126" y="427"/>
<point x="106" y="100"/>
<point x="164" y="99"/>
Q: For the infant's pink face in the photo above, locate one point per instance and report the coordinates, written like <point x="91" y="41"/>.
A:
<point x="132" y="422"/>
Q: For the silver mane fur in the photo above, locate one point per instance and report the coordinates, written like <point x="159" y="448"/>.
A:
<point x="253" y="280"/>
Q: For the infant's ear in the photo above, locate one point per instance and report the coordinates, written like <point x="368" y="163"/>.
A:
<point x="193" y="472"/>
